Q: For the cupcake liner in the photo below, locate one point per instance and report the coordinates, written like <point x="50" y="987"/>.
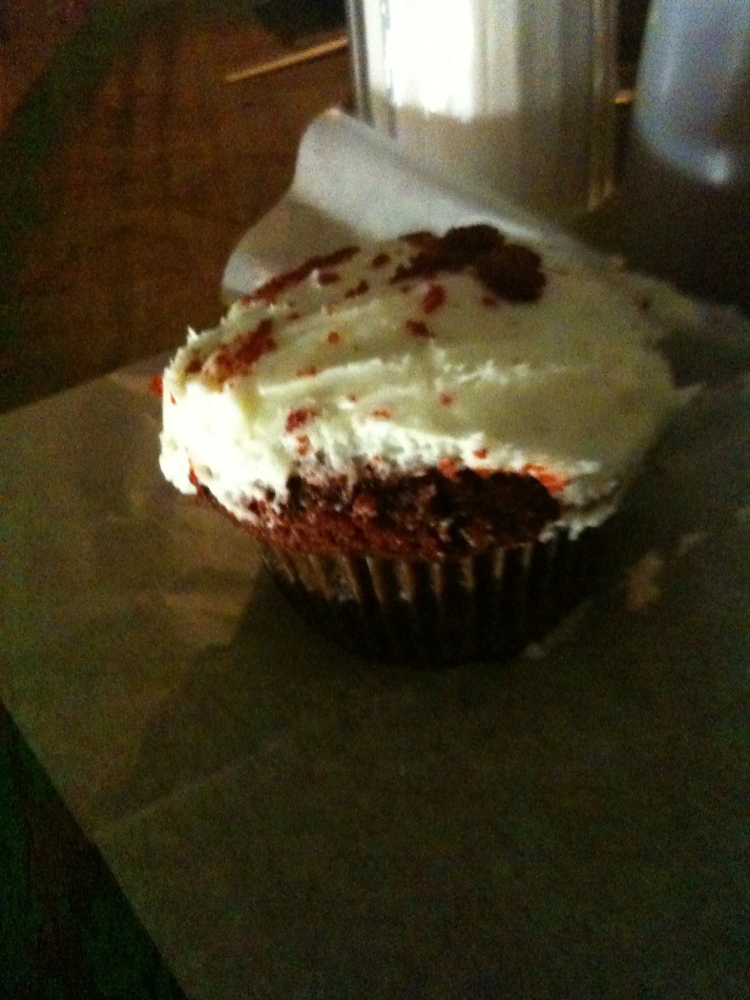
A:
<point x="473" y="607"/>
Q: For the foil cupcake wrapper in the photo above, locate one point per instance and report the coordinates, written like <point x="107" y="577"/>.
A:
<point x="476" y="607"/>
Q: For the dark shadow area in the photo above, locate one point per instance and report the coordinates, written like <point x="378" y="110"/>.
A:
<point x="66" y="930"/>
<point x="138" y="118"/>
<point x="43" y="117"/>
<point x="78" y="67"/>
<point x="294" y="19"/>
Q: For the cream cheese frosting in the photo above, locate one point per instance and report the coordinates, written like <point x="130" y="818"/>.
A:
<point x="360" y="358"/>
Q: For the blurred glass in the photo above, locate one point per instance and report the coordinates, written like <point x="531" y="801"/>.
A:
<point x="686" y="189"/>
<point x="693" y="88"/>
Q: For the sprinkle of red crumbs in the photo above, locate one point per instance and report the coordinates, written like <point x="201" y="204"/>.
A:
<point x="449" y="467"/>
<point x="418" y="328"/>
<point x="384" y="414"/>
<point x="298" y="418"/>
<point x="172" y="400"/>
<point x="273" y="288"/>
<point x="303" y="444"/>
<point x="360" y="289"/>
<point x="306" y="372"/>
<point x="192" y="477"/>
<point x="380" y="260"/>
<point x="156" y="386"/>
<point x="352" y="398"/>
<point x="240" y="354"/>
<point x="334" y="337"/>
<point x="480" y="453"/>
<point x="551" y="482"/>
<point x="447" y="399"/>
<point x="254" y="344"/>
<point x="434" y="297"/>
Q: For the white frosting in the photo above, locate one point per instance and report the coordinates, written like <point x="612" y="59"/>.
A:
<point x="567" y="386"/>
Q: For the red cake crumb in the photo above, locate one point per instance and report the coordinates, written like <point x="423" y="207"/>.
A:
<point x="513" y="272"/>
<point x="449" y="467"/>
<point x="447" y="399"/>
<point x="306" y="372"/>
<point x="365" y="507"/>
<point x="254" y="344"/>
<point x="480" y="453"/>
<point x="334" y="337"/>
<point x="418" y="328"/>
<point x="420" y="238"/>
<point x="239" y="356"/>
<point x="298" y="418"/>
<point x="434" y="297"/>
<point x="458" y="249"/>
<point x="303" y="444"/>
<point x="273" y="288"/>
<point x="156" y="385"/>
<point x="383" y="414"/>
<point x="551" y="482"/>
<point x="507" y="269"/>
<point x="359" y="289"/>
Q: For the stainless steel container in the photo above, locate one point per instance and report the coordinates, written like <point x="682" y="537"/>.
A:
<point x="506" y="96"/>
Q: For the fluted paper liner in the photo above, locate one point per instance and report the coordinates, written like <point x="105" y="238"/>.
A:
<point x="472" y="607"/>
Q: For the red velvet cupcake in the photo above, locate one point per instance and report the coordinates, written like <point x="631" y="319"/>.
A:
<point x="425" y="435"/>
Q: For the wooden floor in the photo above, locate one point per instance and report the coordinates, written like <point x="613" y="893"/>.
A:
<point x="131" y="171"/>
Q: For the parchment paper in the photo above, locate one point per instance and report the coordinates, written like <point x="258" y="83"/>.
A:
<point x="353" y="183"/>
<point x="290" y="822"/>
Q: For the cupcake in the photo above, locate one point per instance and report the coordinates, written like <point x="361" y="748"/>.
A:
<point x="426" y="436"/>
